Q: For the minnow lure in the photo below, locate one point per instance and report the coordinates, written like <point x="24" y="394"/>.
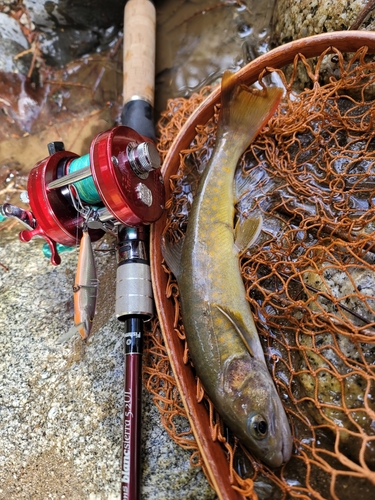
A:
<point x="85" y="291"/>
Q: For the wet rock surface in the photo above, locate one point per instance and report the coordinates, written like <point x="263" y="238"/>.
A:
<point x="293" y="20"/>
<point x="70" y="29"/>
<point x="12" y="43"/>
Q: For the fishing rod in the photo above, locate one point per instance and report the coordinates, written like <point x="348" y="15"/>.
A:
<point x="116" y="188"/>
<point x="134" y="298"/>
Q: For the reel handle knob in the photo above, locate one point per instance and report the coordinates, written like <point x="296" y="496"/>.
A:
<point x="33" y="228"/>
<point x="27" y="234"/>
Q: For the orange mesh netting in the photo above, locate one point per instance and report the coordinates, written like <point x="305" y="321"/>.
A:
<point x="310" y="277"/>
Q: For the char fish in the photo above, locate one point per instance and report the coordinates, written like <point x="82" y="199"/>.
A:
<point x="222" y="338"/>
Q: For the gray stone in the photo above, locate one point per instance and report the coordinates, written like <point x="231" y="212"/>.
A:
<point x="12" y="43"/>
<point x="61" y="406"/>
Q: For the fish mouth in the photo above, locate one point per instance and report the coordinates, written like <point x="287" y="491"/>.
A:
<point x="287" y="446"/>
<point x="275" y="459"/>
<point x="280" y="456"/>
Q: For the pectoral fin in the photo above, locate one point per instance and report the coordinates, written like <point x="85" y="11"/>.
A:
<point x="237" y="321"/>
<point x="246" y="232"/>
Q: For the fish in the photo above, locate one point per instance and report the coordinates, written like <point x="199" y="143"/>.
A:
<point x="222" y="338"/>
<point x="85" y="291"/>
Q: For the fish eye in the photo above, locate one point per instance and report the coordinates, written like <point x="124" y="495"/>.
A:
<point x="258" y="426"/>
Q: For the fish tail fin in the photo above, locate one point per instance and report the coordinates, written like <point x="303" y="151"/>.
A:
<point x="245" y="111"/>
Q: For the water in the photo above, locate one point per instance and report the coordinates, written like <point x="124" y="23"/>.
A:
<point x="198" y="41"/>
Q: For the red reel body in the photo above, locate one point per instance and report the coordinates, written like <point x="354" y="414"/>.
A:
<point x="119" y="187"/>
<point x="131" y="194"/>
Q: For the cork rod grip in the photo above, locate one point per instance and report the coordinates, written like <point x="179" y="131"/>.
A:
<point x="139" y="51"/>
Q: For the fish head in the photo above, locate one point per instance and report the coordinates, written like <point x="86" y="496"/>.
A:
<point x="257" y="415"/>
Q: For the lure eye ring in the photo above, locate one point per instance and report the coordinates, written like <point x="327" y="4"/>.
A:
<point x="258" y="426"/>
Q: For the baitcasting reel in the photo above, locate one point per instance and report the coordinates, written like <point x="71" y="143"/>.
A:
<point x="118" y="182"/>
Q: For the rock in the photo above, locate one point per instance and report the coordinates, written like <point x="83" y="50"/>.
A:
<point x="61" y="405"/>
<point x="293" y="20"/>
<point x="70" y="29"/>
<point x="12" y="43"/>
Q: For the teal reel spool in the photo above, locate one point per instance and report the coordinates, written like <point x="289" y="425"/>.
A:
<point x="86" y="188"/>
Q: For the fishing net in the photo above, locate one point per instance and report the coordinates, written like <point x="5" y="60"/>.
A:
<point x="309" y="277"/>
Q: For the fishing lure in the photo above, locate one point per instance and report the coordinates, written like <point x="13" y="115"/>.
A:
<point x="85" y="291"/>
